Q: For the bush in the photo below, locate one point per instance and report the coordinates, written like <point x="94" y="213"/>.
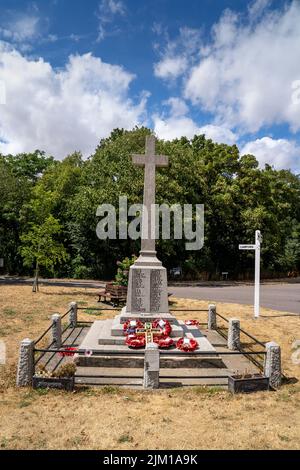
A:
<point x="121" y="278"/>
<point x="83" y="272"/>
<point x="66" y="370"/>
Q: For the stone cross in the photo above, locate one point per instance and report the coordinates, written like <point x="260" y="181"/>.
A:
<point x="147" y="294"/>
<point x="150" y="161"/>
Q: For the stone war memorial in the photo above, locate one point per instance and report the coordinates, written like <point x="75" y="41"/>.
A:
<point x="147" y="307"/>
<point x="144" y="344"/>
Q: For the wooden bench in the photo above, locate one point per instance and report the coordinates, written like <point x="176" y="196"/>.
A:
<point x="113" y="294"/>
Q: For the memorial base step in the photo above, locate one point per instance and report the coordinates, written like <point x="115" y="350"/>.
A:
<point x="132" y="361"/>
<point x="133" y="377"/>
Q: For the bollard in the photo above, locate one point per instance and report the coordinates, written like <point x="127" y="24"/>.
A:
<point x="151" y="366"/>
<point x="73" y="314"/>
<point x="233" y="341"/>
<point x="56" y="330"/>
<point x="212" y="317"/>
<point x="26" y="363"/>
<point x="272" y="368"/>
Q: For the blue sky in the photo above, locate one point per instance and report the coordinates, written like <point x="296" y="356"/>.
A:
<point x="71" y="71"/>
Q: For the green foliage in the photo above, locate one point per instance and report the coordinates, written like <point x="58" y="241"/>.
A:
<point x="40" y="247"/>
<point x="66" y="370"/>
<point x="289" y="258"/>
<point x="29" y="165"/>
<point x="121" y="278"/>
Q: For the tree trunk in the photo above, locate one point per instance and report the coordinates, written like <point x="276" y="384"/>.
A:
<point x="35" y="286"/>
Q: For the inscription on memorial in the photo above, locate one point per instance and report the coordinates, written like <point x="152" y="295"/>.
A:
<point x="138" y="290"/>
<point x="156" y="284"/>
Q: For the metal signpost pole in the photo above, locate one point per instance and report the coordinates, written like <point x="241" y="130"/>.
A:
<point x="256" y="247"/>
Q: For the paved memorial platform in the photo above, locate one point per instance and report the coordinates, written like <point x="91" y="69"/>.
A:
<point x="104" y="333"/>
<point x="100" y="348"/>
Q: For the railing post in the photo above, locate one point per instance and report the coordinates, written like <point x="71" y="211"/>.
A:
<point x="73" y="314"/>
<point x="56" y="330"/>
<point x="233" y="341"/>
<point x="25" y="363"/>
<point x="212" y="317"/>
<point x="272" y="366"/>
<point x="151" y="366"/>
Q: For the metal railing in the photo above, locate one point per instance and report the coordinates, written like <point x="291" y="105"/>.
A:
<point x="43" y="335"/>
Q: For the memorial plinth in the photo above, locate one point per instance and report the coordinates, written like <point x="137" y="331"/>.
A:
<point x="147" y="291"/>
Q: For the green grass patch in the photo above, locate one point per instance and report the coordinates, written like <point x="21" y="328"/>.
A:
<point x="284" y="396"/>
<point x="91" y="311"/>
<point x="125" y="438"/>
<point x="207" y="390"/>
<point x="9" y="312"/>
<point x="284" y="438"/>
<point x="42" y="391"/>
<point x="110" y="389"/>
<point x="4" y="331"/>
<point x="24" y="404"/>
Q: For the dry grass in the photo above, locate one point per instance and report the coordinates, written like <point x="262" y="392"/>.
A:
<point x="111" y="418"/>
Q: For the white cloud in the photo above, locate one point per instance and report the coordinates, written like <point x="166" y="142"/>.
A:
<point x="178" y="107"/>
<point x="177" y="54"/>
<point x="224" y="32"/>
<point x="170" y="67"/>
<point x="108" y="10"/>
<point x="114" y="6"/>
<point x="65" y="110"/>
<point x="280" y="153"/>
<point x="177" y="124"/>
<point x="246" y="72"/>
<point x="19" y="28"/>
<point x="257" y="7"/>
<point x="219" y="134"/>
<point x="174" y="127"/>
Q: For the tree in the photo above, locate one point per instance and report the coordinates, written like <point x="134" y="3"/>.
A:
<point x="29" y="165"/>
<point x="289" y="259"/>
<point x="39" y="247"/>
<point x="14" y="193"/>
<point x="18" y="176"/>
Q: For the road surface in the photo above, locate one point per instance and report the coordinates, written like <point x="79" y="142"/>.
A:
<point x="283" y="297"/>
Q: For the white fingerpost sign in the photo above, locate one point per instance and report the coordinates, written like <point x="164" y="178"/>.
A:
<point x="256" y="247"/>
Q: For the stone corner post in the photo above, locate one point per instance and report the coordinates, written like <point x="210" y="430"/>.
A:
<point x="151" y="366"/>
<point x="233" y="342"/>
<point x="73" y="314"/>
<point x="56" y="330"/>
<point x="212" y="317"/>
<point x="26" y="363"/>
<point x="272" y="368"/>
